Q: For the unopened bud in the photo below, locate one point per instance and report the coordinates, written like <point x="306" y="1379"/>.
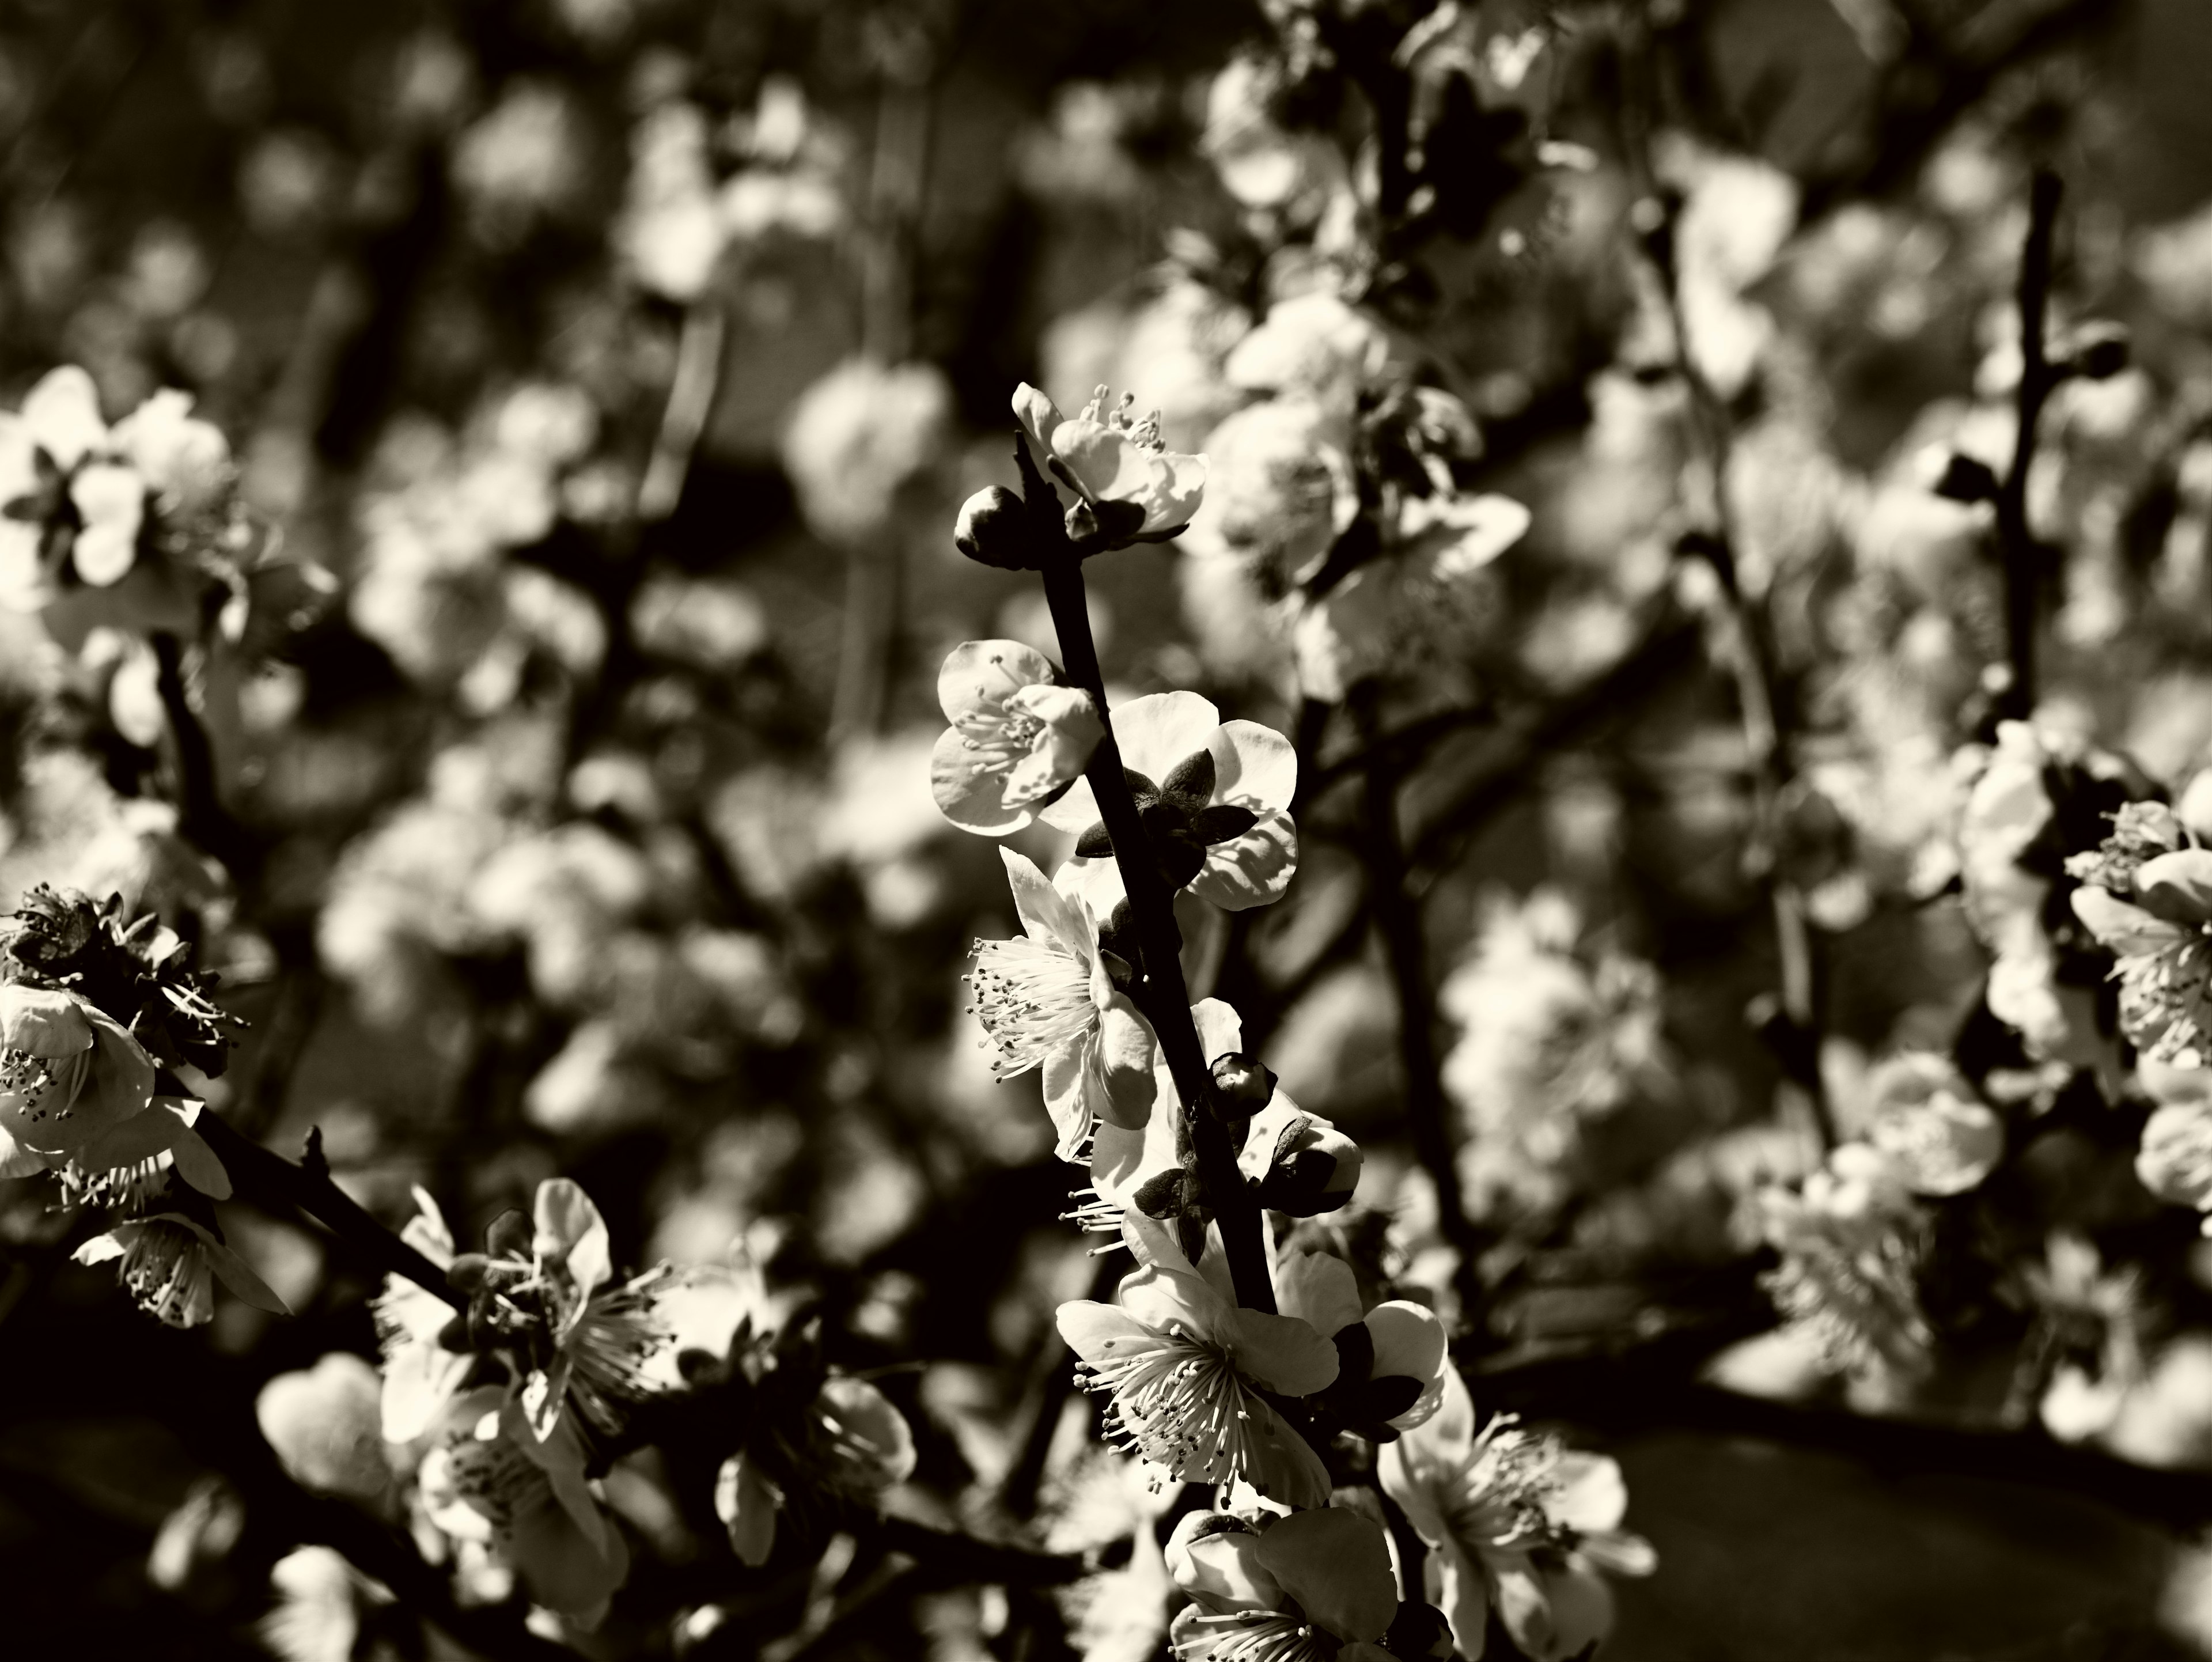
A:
<point x="991" y="530"/>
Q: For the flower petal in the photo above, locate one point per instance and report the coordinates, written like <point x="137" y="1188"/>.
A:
<point x="1410" y="1342"/>
<point x="1125" y="1052"/>
<point x="42" y="1023"/>
<point x="2127" y="929"/>
<point x="232" y="1270"/>
<point x="1092" y="1329"/>
<point x="568" y="1228"/>
<point x="155" y="1131"/>
<point x="1591" y="1497"/>
<point x="1220" y="1029"/>
<point x="747" y="1503"/>
<point x="2178" y="886"/>
<point x="1038" y="414"/>
<point x="1253" y="869"/>
<point x="1336" y="1564"/>
<point x="1254" y="766"/>
<point x="112" y="501"/>
<point x="978" y="676"/>
<point x="1045" y="914"/>
<point x="1283" y="1352"/>
<point x="1161" y="729"/>
<point x="62" y="415"/>
<point x="1318" y="1288"/>
<point x="971" y="796"/>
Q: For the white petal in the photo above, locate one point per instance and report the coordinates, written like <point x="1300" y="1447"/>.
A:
<point x="62" y="414"/>
<point x="1251" y="870"/>
<point x="1254" y="766"/>
<point x="1161" y="729"/>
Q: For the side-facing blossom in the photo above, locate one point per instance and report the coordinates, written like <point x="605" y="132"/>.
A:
<point x="1016" y="736"/>
<point x="1265" y="1588"/>
<point x="489" y="1478"/>
<point x="169" y="1264"/>
<point x="1392" y="1361"/>
<point x="849" y="1443"/>
<point x="1926" y="1117"/>
<point x="1517" y="1523"/>
<point x="1214" y="797"/>
<point x="1047" y="999"/>
<point x="421" y="1375"/>
<point x="1189" y="1370"/>
<point x="1133" y="489"/>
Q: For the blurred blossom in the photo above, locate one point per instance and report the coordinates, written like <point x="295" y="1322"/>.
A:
<point x="1267" y="1585"/>
<point x="1555" y="1040"/>
<point x="1260" y="165"/>
<point x="857" y="436"/>
<point x="287" y="182"/>
<point x="320" y="1600"/>
<point x="1316" y="346"/>
<point x="1172" y="345"/>
<point x="2174" y="262"/>
<point x="1926" y="1117"/>
<point x="526" y="157"/>
<point x="711" y="625"/>
<point x="1736" y="215"/>
<point x="325" y="1424"/>
<point x="1517" y="1525"/>
<point x="1280" y="491"/>
<point x="672" y="231"/>
<point x="1851" y="1240"/>
<point x="879" y="808"/>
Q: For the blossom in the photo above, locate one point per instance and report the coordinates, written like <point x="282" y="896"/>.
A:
<point x="323" y="1424"/>
<point x="1927" y="1118"/>
<point x="1265" y="1588"/>
<point x="850" y="1442"/>
<point x="1047" y="999"/>
<point x="1133" y="488"/>
<point x="2163" y="941"/>
<point x="1851" y="1240"/>
<point x="420" y="1373"/>
<point x="1185" y="1368"/>
<point x="169" y="1264"/>
<point x="1314" y="345"/>
<point x="487" y="1477"/>
<point x="1392" y="1361"/>
<point x="857" y="436"/>
<point x="2174" y="1159"/>
<point x="1281" y="489"/>
<point x="321" y="1602"/>
<point x="1214" y="797"/>
<point x="71" y="1076"/>
<point x="1017" y="735"/>
<point x="1516" y="1523"/>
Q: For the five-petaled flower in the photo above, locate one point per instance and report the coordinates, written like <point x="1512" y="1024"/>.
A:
<point x="1516" y="1523"/>
<point x="1940" y="1136"/>
<point x="1306" y="1587"/>
<point x="1214" y="797"/>
<point x="1049" y="999"/>
<point x="1017" y="736"/>
<point x="1190" y="1372"/>
<point x="1132" y="489"/>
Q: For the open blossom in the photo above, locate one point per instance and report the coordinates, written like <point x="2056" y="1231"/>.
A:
<point x="1134" y="488"/>
<point x="1516" y="1523"/>
<point x="1186" y="1367"/>
<point x="76" y="1092"/>
<point x="1214" y="797"/>
<point x="593" y="1343"/>
<point x="1940" y="1136"/>
<point x="2162" y="937"/>
<point x="1047" y="999"/>
<point x="1017" y="735"/>
<point x="1850" y="1240"/>
<point x="489" y="1478"/>
<point x="169" y="1264"/>
<point x="1282" y="490"/>
<point x="850" y="1442"/>
<point x="1264" y="1588"/>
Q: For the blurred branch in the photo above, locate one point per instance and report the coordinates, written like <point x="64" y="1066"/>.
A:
<point x="201" y="816"/>
<point x="690" y="400"/>
<point x="1397" y="918"/>
<point x="279" y="1185"/>
<point x="2020" y="554"/>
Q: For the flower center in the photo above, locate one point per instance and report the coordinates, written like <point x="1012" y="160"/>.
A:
<point x="1178" y="1400"/>
<point x="1033" y="998"/>
<point x="43" y="1087"/>
<point x="165" y="1273"/>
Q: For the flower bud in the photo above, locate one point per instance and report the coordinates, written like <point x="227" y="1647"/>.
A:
<point x="991" y="530"/>
<point x="1305" y="1164"/>
<point x="1216" y="1554"/>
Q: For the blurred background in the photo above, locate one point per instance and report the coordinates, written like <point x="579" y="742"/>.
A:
<point x="624" y="363"/>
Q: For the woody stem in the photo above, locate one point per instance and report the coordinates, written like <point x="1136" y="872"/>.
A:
<point x="1160" y="993"/>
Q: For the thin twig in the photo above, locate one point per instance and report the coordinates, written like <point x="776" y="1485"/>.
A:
<point x="2020" y="554"/>
<point x="201" y="816"/>
<point x="278" y="1184"/>
<point x="1397" y="918"/>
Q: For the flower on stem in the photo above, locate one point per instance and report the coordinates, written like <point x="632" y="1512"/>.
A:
<point x="1263" y="1588"/>
<point x="848" y="1443"/>
<point x="78" y="1096"/>
<point x="1190" y="1373"/>
<point x="2162" y="937"/>
<point x="1516" y="1522"/>
<point x="1392" y="1361"/>
<point x="169" y="1264"/>
<point x="1132" y="487"/>
<point x="1049" y="999"/>
<point x="489" y="1478"/>
<point x="1214" y="797"/>
<point x="1017" y="736"/>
